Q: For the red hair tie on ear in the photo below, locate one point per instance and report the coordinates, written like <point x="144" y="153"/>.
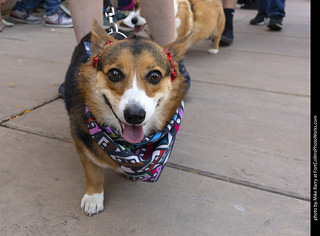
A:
<point x="95" y="61"/>
<point x="174" y="72"/>
<point x="96" y="58"/>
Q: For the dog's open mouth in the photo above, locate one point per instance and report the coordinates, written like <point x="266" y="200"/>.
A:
<point x="133" y="133"/>
<point x="138" y="28"/>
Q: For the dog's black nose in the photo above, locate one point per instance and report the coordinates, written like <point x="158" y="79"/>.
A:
<point x="134" y="20"/>
<point x="134" y="115"/>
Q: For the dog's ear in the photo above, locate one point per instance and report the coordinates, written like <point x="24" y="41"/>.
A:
<point x="179" y="47"/>
<point x="99" y="37"/>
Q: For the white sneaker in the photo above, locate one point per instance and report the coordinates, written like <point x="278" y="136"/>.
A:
<point x="6" y="23"/>
<point x="58" y="20"/>
<point x="25" y="17"/>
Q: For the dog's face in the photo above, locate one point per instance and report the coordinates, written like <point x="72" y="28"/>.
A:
<point x="136" y="18"/>
<point x="130" y="88"/>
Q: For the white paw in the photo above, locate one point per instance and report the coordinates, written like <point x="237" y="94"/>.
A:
<point x="92" y="204"/>
<point x="213" y="51"/>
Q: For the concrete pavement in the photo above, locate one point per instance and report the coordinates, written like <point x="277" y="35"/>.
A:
<point x="241" y="161"/>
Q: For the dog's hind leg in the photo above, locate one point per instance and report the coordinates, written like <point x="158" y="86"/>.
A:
<point x="216" y="40"/>
<point x="215" y="48"/>
<point x="217" y="33"/>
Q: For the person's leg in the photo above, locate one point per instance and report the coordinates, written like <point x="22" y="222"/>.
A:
<point x="262" y="15"/>
<point x="228" y="7"/>
<point x="229" y="4"/>
<point x="26" y="5"/>
<point x="83" y="11"/>
<point x="161" y="19"/>
<point x="21" y="12"/>
<point x="0" y="19"/>
<point x="276" y="12"/>
<point x="52" y="7"/>
<point x="276" y="7"/>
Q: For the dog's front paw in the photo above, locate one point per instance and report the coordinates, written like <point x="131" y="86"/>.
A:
<point x="213" y="51"/>
<point x="92" y="204"/>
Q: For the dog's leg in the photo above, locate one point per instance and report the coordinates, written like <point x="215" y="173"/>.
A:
<point x="217" y="33"/>
<point x="92" y="201"/>
<point x="216" y="37"/>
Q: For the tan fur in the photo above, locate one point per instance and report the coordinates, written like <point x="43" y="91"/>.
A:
<point x="205" y="18"/>
<point x="209" y="20"/>
<point x="185" y="16"/>
<point x="94" y="86"/>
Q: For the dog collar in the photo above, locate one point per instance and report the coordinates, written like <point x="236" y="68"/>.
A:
<point x="141" y="161"/>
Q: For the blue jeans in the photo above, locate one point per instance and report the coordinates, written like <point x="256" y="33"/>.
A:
<point x="271" y="7"/>
<point x="52" y="6"/>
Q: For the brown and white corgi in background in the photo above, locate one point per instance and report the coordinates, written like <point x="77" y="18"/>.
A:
<point x="205" y="18"/>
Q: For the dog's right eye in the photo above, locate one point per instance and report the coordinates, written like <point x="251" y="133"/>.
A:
<point x="115" y="75"/>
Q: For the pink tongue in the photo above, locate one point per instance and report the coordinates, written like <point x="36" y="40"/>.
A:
<point x="138" y="28"/>
<point x="133" y="134"/>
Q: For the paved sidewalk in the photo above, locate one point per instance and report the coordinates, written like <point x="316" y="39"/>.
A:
<point x="241" y="161"/>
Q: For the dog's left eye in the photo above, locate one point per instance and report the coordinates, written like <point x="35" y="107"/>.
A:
<point x="115" y="75"/>
<point x="154" y="76"/>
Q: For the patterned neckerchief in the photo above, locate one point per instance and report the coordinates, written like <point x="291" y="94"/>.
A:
<point x="142" y="161"/>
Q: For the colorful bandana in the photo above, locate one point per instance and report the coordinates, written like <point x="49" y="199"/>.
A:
<point x="141" y="161"/>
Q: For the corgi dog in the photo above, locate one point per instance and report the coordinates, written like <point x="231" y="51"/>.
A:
<point x="119" y="94"/>
<point x="205" y="18"/>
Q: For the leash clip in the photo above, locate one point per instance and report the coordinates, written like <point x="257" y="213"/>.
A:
<point x="108" y="5"/>
<point x="110" y="12"/>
